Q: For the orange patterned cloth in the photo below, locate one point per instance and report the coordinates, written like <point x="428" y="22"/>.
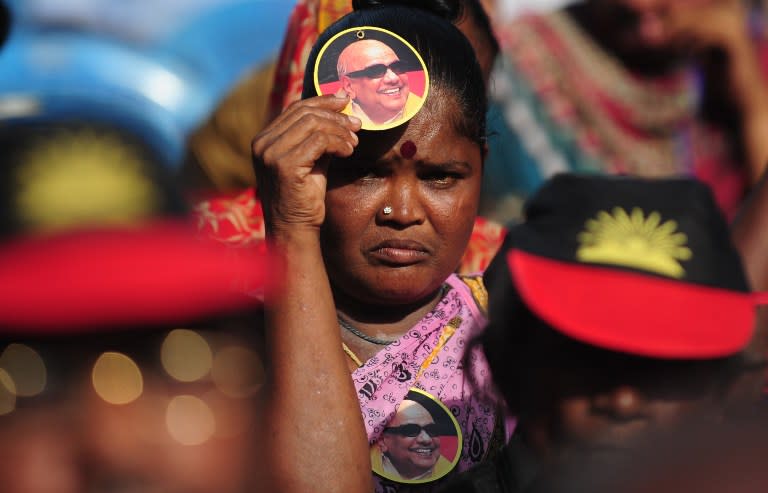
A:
<point x="308" y="19"/>
<point x="237" y="220"/>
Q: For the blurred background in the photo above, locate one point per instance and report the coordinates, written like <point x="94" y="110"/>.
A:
<point x="154" y="68"/>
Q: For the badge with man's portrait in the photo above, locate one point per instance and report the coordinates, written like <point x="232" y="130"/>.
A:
<point x="383" y="75"/>
<point x="422" y="443"/>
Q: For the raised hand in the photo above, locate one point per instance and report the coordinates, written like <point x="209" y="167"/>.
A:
<point x="291" y="157"/>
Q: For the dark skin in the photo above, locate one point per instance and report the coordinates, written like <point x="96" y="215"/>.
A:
<point x="324" y="217"/>
<point x="577" y="399"/>
<point x="387" y="270"/>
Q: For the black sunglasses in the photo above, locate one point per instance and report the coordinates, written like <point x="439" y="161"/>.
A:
<point x="414" y="430"/>
<point x="378" y="70"/>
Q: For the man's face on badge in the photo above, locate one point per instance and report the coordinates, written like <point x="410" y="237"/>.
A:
<point x="381" y="97"/>
<point x="412" y="452"/>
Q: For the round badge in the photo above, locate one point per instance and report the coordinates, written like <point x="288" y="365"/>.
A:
<point x="383" y="75"/>
<point x="421" y="444"/>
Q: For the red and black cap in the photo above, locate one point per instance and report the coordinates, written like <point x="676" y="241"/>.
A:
<point x="644" y="267"/>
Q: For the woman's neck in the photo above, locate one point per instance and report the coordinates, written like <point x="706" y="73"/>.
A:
<point x="385" y="322"/>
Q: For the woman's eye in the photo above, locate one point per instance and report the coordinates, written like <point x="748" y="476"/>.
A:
<point x="442" y="179"/>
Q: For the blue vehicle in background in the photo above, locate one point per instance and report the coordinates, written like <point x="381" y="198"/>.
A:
<point x="158" y="77"/>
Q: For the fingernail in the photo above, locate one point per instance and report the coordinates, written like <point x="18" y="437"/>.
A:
<point x="354" y="120"/>
<point x="354" y="137"/>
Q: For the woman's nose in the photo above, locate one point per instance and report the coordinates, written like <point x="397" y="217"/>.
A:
<point x="403" y="206"/>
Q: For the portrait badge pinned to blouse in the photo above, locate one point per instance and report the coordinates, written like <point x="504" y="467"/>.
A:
<point x="421" y="444"/>
<point x="383" y="75"/>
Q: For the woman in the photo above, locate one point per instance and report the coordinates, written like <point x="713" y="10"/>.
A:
<point x="221" y="151"/>
<point x="649" y="88"/>
<point x="371" y="226"/>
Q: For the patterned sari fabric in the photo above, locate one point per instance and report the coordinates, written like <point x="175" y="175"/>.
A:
<point x="433" y="358"/>
<point x="567" y="105"/>
<point x="308" y="20"/>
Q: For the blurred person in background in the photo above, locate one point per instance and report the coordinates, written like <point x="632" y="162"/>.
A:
<point x="696" y="456"/>
<point x="643" y="87"/>
<point x="218" y="171"/>
<point x="127" y="363"/>
<point x="128" y="346"/>
<point x="619" y="306"/>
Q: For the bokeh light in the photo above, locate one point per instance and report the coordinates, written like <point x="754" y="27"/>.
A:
<point x="186" y="355"/>
<point x="116" y="378"/>
<point x="190" y="420"/>
<point x="25" y="368"/>
<point x="7" y="393"/>
<point x="237" y="371"/>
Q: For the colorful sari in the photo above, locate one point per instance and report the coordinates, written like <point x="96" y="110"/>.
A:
<point x="437" y="358"/>
<point x="561" y="103"/>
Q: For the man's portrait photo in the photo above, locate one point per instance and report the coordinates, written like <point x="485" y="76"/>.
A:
<point x="422" y="443"/>
<point x="383" y="76"/>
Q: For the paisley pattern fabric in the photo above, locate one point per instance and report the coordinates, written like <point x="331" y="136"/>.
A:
<point x="436" y="356"/>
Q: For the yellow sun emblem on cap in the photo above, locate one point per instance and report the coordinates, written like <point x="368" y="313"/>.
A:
<point x="83" y="177"/>
<point x="633" y="240"/>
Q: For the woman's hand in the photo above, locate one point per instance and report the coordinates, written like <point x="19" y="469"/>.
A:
<point x="705" y="24"/>
<point x="291" y="157"/>
<point x="735" y="82"/>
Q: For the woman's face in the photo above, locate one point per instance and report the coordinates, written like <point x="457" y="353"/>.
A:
<point x="428" y="177"/>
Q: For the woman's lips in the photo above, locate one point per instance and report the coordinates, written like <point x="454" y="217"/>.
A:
<point x="400" y="252"/>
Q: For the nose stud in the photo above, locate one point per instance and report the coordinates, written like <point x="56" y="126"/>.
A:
<point x="387" y="210"/>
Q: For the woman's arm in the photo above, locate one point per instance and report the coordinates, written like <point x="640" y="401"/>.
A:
<point x="315" y="439"/>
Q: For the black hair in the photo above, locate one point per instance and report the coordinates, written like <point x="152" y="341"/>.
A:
<point x="451" y="61"/>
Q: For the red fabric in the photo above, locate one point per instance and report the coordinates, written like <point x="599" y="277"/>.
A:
<point x="308" y="20"/>
<point x="104" y="278"/>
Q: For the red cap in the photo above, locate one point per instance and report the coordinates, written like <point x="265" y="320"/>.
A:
<point x="632" y="312"/>
<point x="97" y="279"/>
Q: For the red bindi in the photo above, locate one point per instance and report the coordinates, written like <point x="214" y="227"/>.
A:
<point x="408" y="149"/>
